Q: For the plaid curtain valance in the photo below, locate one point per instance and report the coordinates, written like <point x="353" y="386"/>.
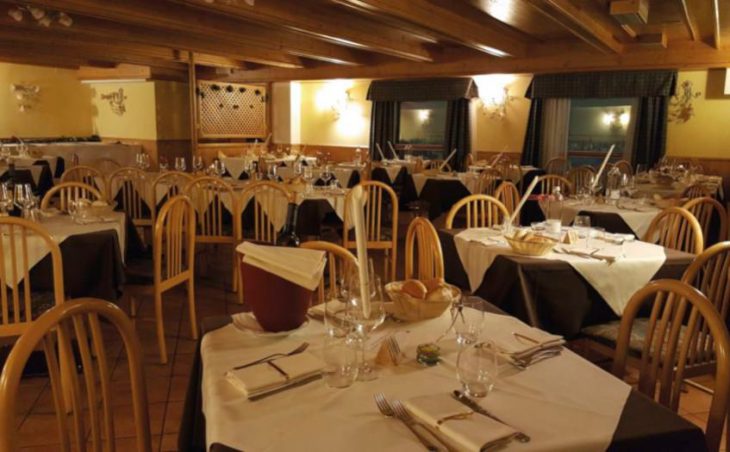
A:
<point x="604" y="84"/>
<point x="421" y="90"/>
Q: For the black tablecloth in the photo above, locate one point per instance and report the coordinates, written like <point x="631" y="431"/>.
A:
<point x="644" y="425"/>
<point x="25" y="176"/>
<point x="548" y="294"/>
<point x="440" y="194"/>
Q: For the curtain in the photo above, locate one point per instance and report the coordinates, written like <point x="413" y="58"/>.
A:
<point x="420" y="90"/>
<point x="457" y="133"/>
<point x="604" y="84"/>
<point x="531" y="148"/>
<point x="384" y="125"/>
<point x="650" y="135"/>
<point x="555" y="122"/>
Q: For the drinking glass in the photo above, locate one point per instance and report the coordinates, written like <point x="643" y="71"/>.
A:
<point x="219" y="168"/>
<point x="583" y="224"/>
<point x="467" y="316"/>
<point x="272" y="173"/>
<point x="197" y="163"/>
<point x="326" y="175"/>
<point x="180" y="164"/>
<point x="145" y="161"/>
<point x="340" y="361"/>
<point x="163" y="164"/>
<point x="6" y="200"/>
<point x="24" y="198"/>
<point x="364" y="320"/>
<point x="308" y="176"/>
<point x="477" y="367"/>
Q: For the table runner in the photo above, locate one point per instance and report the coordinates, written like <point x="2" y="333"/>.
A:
<point x="636" y="216"/>
<point x="478" y="248"/>
<point x="556" y="402"/>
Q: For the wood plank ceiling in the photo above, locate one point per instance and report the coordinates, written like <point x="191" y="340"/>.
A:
<point x="315" y="39"/>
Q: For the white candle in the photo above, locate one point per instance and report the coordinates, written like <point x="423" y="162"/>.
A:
<point x="495" y="160"/>
<point x="390" y="145"/>
<point x="527" y="194"/>
<point x="447" y="160"/>
<point x="603" y="166"/>
<point x="380" y="151"/>
<point x="356" y="211"/>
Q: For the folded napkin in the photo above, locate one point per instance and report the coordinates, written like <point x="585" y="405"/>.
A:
<point x="317" y="311"/>
<point x="273" y="375"/>
<point x="517" y="339"/>
<point x="468" y="432"/>
<point x="300" y="266"/>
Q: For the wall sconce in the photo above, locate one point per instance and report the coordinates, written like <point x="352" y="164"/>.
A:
<point x="494" y="94"/>
<point x="616" y="120"/>
<point x="424" y="116"/>
<point x="41" y="16"/>
<point x="335" y="96"/>
<point x="116" y="101"/>
<point x="26" y="96"/>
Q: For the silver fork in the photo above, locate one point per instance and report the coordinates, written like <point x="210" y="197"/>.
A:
<point x="402" y="413"/>
<point x="297" y="350"/>
<point x="524" y="363"/>
<point x="393" y="348"/>
<point x="387" y="410"/>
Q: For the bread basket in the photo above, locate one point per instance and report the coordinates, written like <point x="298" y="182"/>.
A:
<point x="536" y="246"/>
<point x="410" y="309"/>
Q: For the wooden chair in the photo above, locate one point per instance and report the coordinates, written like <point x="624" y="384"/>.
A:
<point x="106" y="165"/>
<point x="508" y="194"/>
<point x="696" y="191"/>
<point x="706" y="209"/>
<point x="549" y="181"/>
<point x="581" y="176"/>
<point x="129" y="187"/>
<point x="19" y="304"/>
<point x="423" y="240"/>
<point x="676" y="228"/>
<point x="682" y="324"/>
<point x="557" y="166"/>
<point x="88" y="413"/>
<point x="264" y="194"/>
<point x="376" y="215"/>
<point x="469" y="159"/>
<point x="488" y="180"/>
<point x="173" y="263"/>
<point x="85" y="174"/>
<point x="339" y="261"/>
<point x="212" y="198"/>
<point x="625" y="167"/>
<point x="68" y="192"/>
<point x="482" y="211"/>
<point x="167" y="185"/>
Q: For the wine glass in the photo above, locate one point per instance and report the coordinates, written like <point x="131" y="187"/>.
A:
<point x="477" y="367"/>
<point x="326" y="175"/>
<point x="6" y="200"/>
<point x="180" y="164"/>
<point x="365" y="318"/>
<point x="272" y="173"/>
<point x="197" y="163"/>
<point x="24" y="198"/>
<point x="308" y="176"/>
<point x="164" y="165"/>
<point x="467" y="317"/>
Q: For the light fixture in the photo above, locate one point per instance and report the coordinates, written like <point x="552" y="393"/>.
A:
<point x="616" y="119"/>
<point x="16" y="14"/>
<point x="42" y="17"/>
<point x="26" y="96"/>
<point x="494" y="94"/>
<point x="424" y="115"/>
<point x="335" y="96"/>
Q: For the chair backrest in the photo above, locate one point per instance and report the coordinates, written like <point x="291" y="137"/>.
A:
<point x="625" y="167"/>
<point x="78" y="404"/>
<point x="681" y="322"/>
<point x="508" y="194"/>
<point x="557" y="165"/>
<point x="581" y="176"/>
<point x="511" y="172"/>
<point x="549" y="181"/>
<point x="707" y="209"/>
<point x="212" y="198"/>
<point x="128" y="186"/>
<point x="174" y="241"/>
<point x="339" y="262"/>
<point x="167" y="184"/>
<point x="269" y="199"/>
<point x="19" y="240"/>
<point x="697" y="191"/>
<point x="106" y="165"/>
<point x="70" y="191"/>
<point x="482" y="211"/>
<point x="488" y="180"/>
<point x="676" y="228"/>
<point x="86" y="174"/>
<point x="378" y="195"/>
<point x="422" y="241"/>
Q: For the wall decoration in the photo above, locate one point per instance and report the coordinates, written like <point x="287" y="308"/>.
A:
<point x="232" y="110"/>
<point x="116" y="101"/>
<point x="26" y="96"/>
<point x="43" y="17"/>
<point x="680" y="105"/>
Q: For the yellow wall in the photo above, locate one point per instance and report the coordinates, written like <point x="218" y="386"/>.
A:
<point x="63" y="107"/>
<point x="318" y="123"/>
<point x="140" y="119"/>
<point x="707" y="133"/>
<point x="506" y="134"/>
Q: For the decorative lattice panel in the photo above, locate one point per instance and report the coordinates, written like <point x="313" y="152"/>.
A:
<point x="232" y="110"/>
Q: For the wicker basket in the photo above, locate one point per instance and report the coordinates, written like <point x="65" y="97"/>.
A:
<point x="410" y="309"/>
<point x="535" y="247"/>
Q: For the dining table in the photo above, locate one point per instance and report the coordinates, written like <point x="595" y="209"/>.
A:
<point x="623" y="216"/>
<point x="560" y="403"/>
<point x="560" y="293"/>
<point x="38" y="175"/>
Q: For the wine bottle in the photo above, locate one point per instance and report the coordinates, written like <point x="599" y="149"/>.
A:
<point x="288" y="235"/>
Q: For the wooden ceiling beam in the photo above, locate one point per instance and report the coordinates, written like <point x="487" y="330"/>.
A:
<point x="581" y="23"/>
<point x="119" y="72"/>
<point x="177" y="18"/>
<point x="328" y="24"/>
<point x="477" y="29"/>
<point x="689" y="20"/>
<point x="716" y="24"/>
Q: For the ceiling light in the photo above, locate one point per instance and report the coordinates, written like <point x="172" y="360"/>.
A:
<point x="37" y="13"/>
<point x="45" y="21"/>
<point x="16" y="13"/>
<point x="65" y="20"/>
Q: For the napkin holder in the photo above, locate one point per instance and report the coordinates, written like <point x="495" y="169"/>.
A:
<point x="277" y="304"/>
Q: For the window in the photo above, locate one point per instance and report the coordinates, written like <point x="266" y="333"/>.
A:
<point x="597" y="124"/>
<point x="422" y="127"/>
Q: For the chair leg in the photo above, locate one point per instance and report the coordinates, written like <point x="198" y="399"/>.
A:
<point x="160" y="327"/>
<point x="191" y="307"/>
<point x="234" y="274"/>
<point x="240" y="287"/>
<point x="132" y="305"/>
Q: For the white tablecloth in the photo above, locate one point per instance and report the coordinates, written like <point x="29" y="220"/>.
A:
<point x="616" y="282"/>
<point x="468" y="180"/>
<point x="563" y="403"/>
<point x="637" y="217"/>
<point x="236" y="165"/>
<point x="88" y="153"/>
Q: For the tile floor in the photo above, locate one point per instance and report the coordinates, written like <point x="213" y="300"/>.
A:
<point x="166" y="384"/>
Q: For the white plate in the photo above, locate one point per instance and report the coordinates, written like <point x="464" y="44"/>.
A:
<point x="246" y="322"/>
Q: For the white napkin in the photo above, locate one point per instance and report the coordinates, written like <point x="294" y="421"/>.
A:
<point x="276" y="374"/>
<point x="301" y="266"/>
<point x="471" y="433"/>
<point x="511" y="337"/>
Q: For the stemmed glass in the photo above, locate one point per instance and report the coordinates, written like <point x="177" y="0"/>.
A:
<point x="197" y="163"/>
<point x="219" y="168"/>
<point x="326" y="175"/>
<point x="308" y="176"/>
<point x="363" y="320"/>
<point x="163" y="164"/>
<point x="6" y="200"/>
<point x="467" y="317"/>
<point x="180" y="164"/>
<point x="272" y="173"/>
<point x="24" y="198"/>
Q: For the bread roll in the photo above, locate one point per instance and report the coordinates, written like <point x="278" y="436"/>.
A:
<point x="434" y="283"/>
<point x="414" y="288"/>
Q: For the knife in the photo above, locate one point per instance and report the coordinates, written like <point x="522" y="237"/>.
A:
<point x="463" y="398"/>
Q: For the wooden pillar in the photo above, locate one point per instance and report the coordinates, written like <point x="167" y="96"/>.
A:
<point x="192" y="85"/>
